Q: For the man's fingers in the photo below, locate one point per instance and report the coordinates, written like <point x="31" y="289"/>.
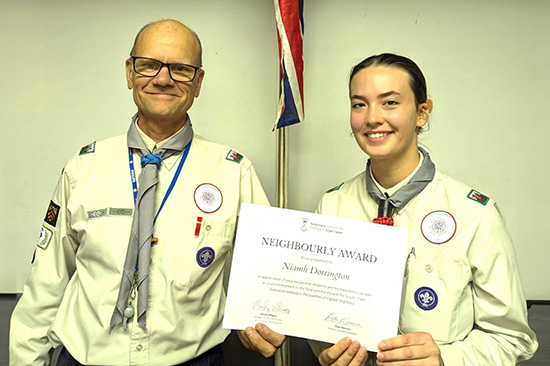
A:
<point x="252" y="340"/>
<point x="270" y="336"/>
<point x="344" y="353"/>
<point x="244" y="339"/>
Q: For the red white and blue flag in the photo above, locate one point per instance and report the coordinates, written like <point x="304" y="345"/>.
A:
<point x="290" y="30"/>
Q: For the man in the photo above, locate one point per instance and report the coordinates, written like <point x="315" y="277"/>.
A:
<point x="128" y="270"/>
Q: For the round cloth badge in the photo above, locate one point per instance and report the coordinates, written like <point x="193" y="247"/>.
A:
<point x="425" y="298"/>
<point x="205" y="256"/>
<point x="438" y="227"/>
<point x="208" y="198"/>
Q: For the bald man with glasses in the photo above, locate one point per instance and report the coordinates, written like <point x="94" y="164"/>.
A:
<point x="133" y="251"/>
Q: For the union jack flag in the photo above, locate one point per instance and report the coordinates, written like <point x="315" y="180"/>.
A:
<point x="290" y="30"/>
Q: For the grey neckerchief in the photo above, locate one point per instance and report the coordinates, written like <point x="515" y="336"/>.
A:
<point x="399" y="199"/>
<point x="139" y="245"/>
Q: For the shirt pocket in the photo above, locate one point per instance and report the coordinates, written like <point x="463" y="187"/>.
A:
<point x="436" y="299"/>
<point x="205" y="254"/>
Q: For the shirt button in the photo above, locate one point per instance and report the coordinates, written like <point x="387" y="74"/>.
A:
<point x="139" y="347"/>
<point x="429" y="268"/>
<point x="208" y="227"/>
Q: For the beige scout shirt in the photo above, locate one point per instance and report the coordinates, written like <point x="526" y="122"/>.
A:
<point x="462" y="285"/>
<point x="74" y="281"/>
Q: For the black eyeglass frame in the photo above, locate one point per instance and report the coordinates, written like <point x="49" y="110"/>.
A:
<point x="162" y="64"/>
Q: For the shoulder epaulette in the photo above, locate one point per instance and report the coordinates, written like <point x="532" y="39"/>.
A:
<point x="478" y="197"/>
<point x="234" y="156"/>
<point x="88" y="149"/>
<point x="335" y="188"/>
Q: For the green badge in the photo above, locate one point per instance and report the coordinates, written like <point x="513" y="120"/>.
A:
<point x="45" y="238"/>
<point x="335" y="188"/>
<point x="88" y="149"/>
<point x="120" y="211"/>
<point x="478" y="197"/>
<point x="234" y="156"/>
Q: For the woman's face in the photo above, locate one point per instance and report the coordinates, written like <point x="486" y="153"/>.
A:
<point x="384" y="116"/>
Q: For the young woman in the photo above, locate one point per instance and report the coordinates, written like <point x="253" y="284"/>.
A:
<point x="462" y="301"/>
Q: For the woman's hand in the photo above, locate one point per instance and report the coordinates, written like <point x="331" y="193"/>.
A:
<point x="409" y="349"/>
<point x="261" y="339"/>
<point x="344" y="353"/>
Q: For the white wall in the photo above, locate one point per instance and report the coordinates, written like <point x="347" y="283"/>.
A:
<point x="62" y="73"/>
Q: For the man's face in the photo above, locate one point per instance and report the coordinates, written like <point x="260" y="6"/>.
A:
<point x="160" y="98"/>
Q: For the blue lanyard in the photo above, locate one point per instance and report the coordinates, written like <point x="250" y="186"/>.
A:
<point x="172" y="184"/>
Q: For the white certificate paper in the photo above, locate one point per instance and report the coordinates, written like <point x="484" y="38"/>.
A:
<point x="316" y="276"/>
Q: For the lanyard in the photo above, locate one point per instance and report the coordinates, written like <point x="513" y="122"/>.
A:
<point x="172" y="184"/>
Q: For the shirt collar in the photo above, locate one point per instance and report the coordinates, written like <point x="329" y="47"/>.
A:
<point x="149" y="142"/>
<point x="396" y="187"/>
<point x="152" y="145"/>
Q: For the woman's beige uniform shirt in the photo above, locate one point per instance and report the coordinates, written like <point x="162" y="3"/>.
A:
<point x="480" y="315"/>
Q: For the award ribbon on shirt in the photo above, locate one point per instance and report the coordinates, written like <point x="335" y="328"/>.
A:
<point x="388" y="204"/>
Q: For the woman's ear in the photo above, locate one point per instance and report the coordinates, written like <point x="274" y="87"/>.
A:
<point x="424" y="111"/>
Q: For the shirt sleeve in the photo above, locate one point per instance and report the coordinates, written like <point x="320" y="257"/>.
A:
<point x="501" y="334"/>
<point x="251" y="188"/>
<point x="53" y="265"/>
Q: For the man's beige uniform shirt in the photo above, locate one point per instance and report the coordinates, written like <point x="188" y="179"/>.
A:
<point x="74" y="281"/>
<point x="480" y="315"/>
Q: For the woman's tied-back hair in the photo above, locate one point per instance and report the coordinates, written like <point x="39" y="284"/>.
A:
<point x="417" y="81"/>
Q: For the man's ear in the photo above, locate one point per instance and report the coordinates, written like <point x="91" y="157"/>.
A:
<point x="200" y="77"/>
<point x="129" y="80"/>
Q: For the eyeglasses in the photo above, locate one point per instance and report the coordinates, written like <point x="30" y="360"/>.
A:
<point x="150" y="67"/>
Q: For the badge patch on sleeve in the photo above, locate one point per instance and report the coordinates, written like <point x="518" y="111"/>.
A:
<point x="88" y="149"/>
<point x="45" y="238"/>
<point x="478" y="197"/>
<point x="232" y="155"/>
<point x="52" y="214"/>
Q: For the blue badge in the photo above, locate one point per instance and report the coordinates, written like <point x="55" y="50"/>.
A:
<point x="205" y="256"/>
<point x="425" y="298"/>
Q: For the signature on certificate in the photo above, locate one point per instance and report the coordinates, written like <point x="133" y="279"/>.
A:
<point x="266" y="305"/>
<point x="341" y="320"/>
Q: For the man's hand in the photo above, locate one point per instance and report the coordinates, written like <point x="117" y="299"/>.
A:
<point x="344" y="353"/>
<point x="409" y="349"/>
<point x="261" y="339"/>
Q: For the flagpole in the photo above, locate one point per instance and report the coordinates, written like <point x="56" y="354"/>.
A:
<point x="282" y="356"/>
<point x="282" y="167"/>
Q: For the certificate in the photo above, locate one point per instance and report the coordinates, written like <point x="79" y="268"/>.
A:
<point x="316" y="276"/>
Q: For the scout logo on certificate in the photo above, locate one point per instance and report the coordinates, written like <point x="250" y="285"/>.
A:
<point x="316" y="276"/>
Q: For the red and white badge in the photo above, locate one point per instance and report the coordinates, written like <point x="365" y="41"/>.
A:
<point x="208" y="198"/>
<point x="438" y="227"/>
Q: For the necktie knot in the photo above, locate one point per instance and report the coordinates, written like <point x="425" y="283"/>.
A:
<point x="151" y="159"/>
<point x="388" y="205"/>
<point x="385" y="212"/>
<point x="385" y="207"/>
